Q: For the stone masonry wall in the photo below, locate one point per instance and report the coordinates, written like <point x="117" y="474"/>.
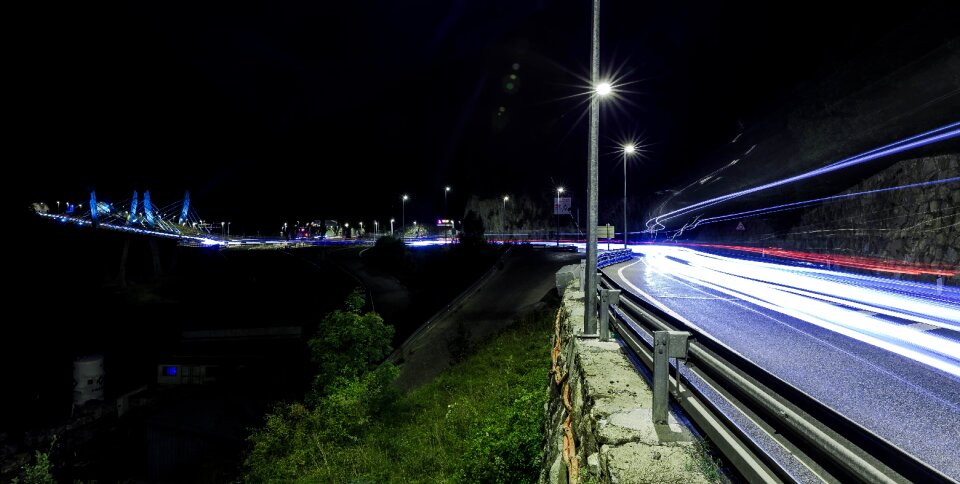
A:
<point x="599" y="418"/>
<point x="911" y="225"/>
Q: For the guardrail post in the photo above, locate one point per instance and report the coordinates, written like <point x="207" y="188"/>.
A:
<point x="608" y="297"/>
<point x="666" y="345"/>
<point x="940" y="284"/>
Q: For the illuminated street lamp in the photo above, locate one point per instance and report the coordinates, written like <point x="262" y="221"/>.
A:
<point x="359" y="234"/>
<point x="506" y="198"/>
<point x="58" y="206"/>
<point x="391" y="227"/>
<point x="557" y="210"/>
<point x="403" y="214"/>
<point x="603" y="89"/>
<point x="376" y="229"/>
<point x="446" y="190"/>
<point x="628" y="149"/>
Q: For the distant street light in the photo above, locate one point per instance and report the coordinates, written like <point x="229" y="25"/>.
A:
<point x="446" y="190"/>
<point x="228" y="229"/>
<point x="392" y="233"/>
<point x="376" y="229"/>
<point x="58" y="206"/>
<point x="360" y="234"/>
<point x="403" y="214"/>
<point x="506" y="199"/>
<point x="557" y="210"/>
<point x="628" y="150"/>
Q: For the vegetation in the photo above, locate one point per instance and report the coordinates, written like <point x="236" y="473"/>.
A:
<point x="706" y="462"/>
<point x="480" y="421"/>
<point x="41" y="471"/>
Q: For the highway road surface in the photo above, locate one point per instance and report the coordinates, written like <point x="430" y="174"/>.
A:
<point x="883" y="352"/>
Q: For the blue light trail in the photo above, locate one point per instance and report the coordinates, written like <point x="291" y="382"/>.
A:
<point x="940" y="134"/>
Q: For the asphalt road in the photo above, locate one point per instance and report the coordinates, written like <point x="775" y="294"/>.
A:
<point x="882" y="352"/>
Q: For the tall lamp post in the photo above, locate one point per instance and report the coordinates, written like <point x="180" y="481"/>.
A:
<point x="376" y="229"/>
<point x="403" y="214"/>
<point x="557" y="209"/>
<point x="506" y="199"/>
<point x="628" y="150"/>
<point x="601" y="89"/>
<point x="391" y="227"/>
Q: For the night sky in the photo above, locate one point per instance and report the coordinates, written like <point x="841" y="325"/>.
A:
<point x="305" y="110"/>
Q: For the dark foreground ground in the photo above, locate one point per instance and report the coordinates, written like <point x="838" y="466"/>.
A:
<point x="69" y="287"/>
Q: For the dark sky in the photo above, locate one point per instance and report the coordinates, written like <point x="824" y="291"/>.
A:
<point x="283" y="110"/>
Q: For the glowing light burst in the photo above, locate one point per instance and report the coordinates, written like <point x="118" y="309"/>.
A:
<point x="940" y="134"/>
<point x="847" y="305"/>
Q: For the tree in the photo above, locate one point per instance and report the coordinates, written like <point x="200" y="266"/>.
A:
<point x="472" y="229"/>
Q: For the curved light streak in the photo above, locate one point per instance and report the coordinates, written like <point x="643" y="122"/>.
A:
<point x="916" y="141"/>
<point x="832" y="305"/>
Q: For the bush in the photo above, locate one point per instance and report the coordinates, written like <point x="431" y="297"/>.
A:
<point x="507" y="447"/>
<point x="348" y="344"/>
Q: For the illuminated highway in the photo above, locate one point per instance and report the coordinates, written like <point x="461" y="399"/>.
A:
<point x="883" y="352"/>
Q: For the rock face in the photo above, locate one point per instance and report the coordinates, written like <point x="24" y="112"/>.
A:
<point x="920" y="224"/>
<point x="599" y="416"/>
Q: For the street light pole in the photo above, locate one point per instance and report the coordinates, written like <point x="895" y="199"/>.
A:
<point x="590" y="288"/>
<point x="446" y="190"/>
<point x="557" y="210"/>
<point x="392" y="233"/>
<point x="504" y="209"/>
<point x="403" y="214"/>
<point x="627" y="150"/>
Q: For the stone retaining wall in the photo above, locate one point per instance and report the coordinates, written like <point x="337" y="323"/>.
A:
<point x="599" y="422"/>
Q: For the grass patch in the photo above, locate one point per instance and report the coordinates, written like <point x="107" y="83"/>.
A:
<point x="705" y="461"/>
<point x="479" y="421"/>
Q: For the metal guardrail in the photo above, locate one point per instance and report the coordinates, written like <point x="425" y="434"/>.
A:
<point x="610" y="257"/>
<point x="768" y="430"/>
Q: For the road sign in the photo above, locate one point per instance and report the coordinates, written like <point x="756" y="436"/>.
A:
<point x="561" y="206"/>
<point x="740" y="226"/>
<point x="605" y="232"/>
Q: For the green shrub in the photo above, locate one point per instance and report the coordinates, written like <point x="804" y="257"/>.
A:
<point x="348" y="344"/>
<point x="507" y="447"/>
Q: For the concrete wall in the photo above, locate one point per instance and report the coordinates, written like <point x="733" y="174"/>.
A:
<point x="599" y="422"/>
